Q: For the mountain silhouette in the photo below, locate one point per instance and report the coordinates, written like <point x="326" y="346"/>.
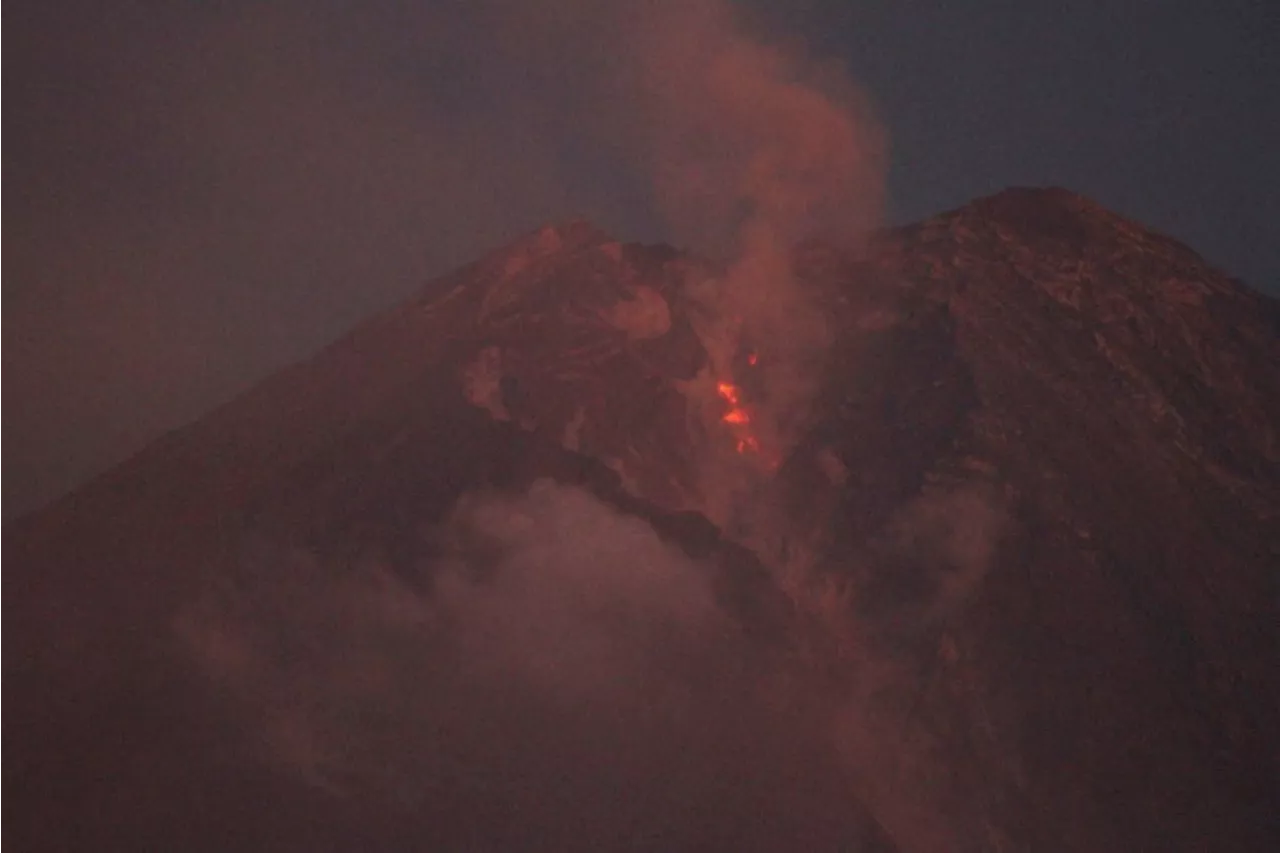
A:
<point x="511" y="566"/>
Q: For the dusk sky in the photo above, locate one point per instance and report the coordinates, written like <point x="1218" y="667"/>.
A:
<point x="200" y="193"/>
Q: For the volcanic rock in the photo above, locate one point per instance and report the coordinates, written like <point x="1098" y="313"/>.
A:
<point x="1029" y="532"/>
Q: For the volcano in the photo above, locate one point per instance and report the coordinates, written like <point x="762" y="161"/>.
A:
<point x="1006" y="581"/>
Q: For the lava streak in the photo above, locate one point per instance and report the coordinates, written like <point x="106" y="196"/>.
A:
<point x="737" y="417"/>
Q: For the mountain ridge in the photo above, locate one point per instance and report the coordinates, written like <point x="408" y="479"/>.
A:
<point x="582" y="232"/>
<point x="1038" y="487"/>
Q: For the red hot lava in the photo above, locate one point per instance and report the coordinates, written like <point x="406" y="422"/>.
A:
<point x="737" y="417"/>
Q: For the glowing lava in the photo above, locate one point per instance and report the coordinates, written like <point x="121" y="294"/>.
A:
<point x="737" y="417"/>
<point x="731" y="395"/>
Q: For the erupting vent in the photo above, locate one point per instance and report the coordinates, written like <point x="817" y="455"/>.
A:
<point x="737" y="417"/>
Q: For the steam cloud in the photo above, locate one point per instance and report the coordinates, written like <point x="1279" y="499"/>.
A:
<point x="563" y="677"/>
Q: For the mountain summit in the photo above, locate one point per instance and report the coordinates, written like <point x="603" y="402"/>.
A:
<point x="1001" y="578"/>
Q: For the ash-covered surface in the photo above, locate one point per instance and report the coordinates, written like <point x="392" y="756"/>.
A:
<point x="1013" y="584"/>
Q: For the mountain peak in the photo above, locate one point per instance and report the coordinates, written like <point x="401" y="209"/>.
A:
<point x="568" y="234"/>
<point x="1057" y="219"/>
<point x="1034" y="500"/>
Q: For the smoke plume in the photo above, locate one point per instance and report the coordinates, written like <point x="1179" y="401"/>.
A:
<point x="202" y="195"/>
<point x="754" y="148"/>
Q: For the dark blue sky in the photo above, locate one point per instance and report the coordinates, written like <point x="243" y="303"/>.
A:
<point x="199" y="193"/>
<point x="1167" y="112"/>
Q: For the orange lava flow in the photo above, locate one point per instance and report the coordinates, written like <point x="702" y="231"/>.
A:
<point x="737" y="417"/>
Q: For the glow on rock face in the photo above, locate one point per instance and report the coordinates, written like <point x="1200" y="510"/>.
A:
<point x="737" y="417"/>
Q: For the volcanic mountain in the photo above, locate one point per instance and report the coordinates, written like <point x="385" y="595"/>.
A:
<point x="1005" y="581"/>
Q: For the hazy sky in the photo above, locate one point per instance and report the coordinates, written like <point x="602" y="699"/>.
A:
<point x="201" y="192"/>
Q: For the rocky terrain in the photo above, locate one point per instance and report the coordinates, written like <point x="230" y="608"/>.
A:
<point x="1020" y="541"/>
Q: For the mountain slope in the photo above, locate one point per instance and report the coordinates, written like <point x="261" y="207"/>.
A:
<point x="1026" y="529"/>
<point x="1127" y="406"/>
